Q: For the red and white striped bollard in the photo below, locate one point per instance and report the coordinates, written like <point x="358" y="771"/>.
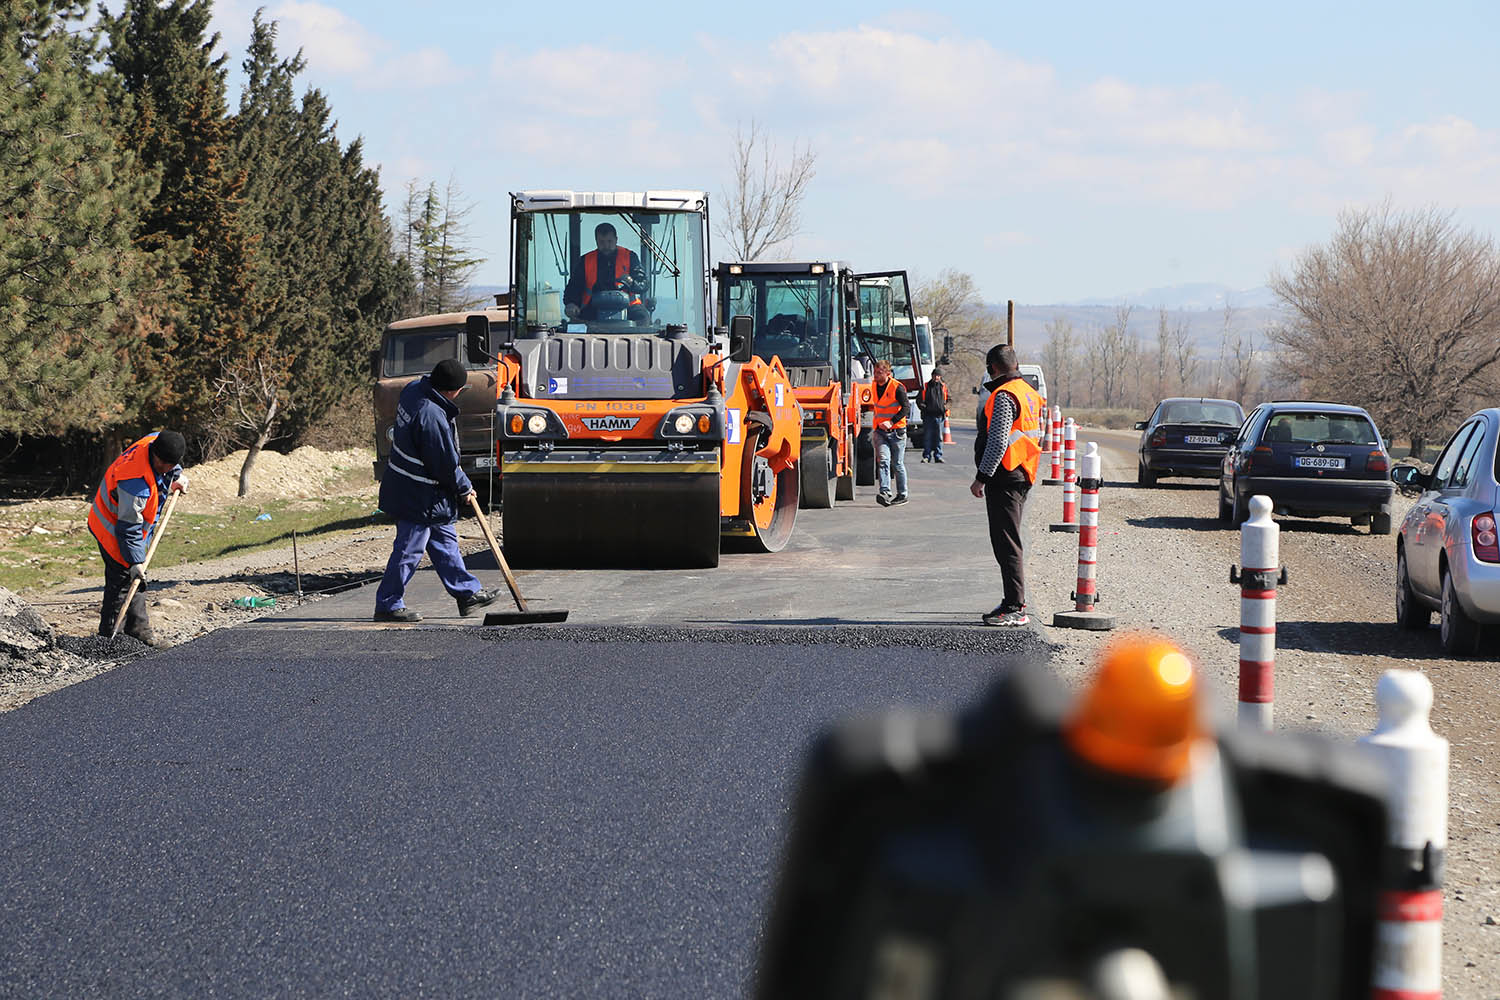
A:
<point x="1086" y="596"/>
<point x="1069" y="520"/>
<point x="1257" y="575"/>
<point x="1056" y="441"/>
<point x="1409" y="931"/>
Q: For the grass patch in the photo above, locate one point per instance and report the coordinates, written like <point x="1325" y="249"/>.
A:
<point x="35" y="562"/>
<point x="1116" y="419"/>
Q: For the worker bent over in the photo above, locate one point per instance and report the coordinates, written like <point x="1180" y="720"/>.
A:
<point x="122" y="519"/>
<point x="422" y="487"/>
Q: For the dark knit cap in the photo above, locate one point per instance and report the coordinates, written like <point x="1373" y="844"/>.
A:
<point x="168" y="446"/>
<point x="448" y="375"/>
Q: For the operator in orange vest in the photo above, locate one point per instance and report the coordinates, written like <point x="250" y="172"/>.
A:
<point x="1007" y="451"/>
<point x="123" y="516"/>
<point x="890" y="435"/>
<point x="608" y="268"/>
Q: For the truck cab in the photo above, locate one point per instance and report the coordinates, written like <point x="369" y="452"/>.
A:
<point x="409" y="348"/>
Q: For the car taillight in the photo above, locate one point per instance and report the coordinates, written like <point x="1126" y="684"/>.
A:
<point x="1158" y="437"/>
<point x="1262" y="458"/>
<point x="1486" y="546"/>
<point x="1378" y="464"/>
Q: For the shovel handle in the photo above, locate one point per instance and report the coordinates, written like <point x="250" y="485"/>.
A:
<point x="161" y="529"/>
<point x="489" y="536"/>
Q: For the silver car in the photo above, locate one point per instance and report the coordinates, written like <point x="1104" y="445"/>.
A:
<point x="1447" y="554"/>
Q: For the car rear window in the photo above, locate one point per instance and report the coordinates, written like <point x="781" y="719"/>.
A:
<point x="416" y="352"/>
<point x="1202" y="413"/>
<point x="1321" y="428"/>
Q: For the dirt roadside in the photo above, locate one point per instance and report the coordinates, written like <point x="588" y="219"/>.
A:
<point x="191" y="599"/>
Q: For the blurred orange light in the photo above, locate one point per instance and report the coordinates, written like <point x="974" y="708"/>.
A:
<point x="516" y="423"/>
<point x="703" y="423"/>
<point x="1140" y="716"/>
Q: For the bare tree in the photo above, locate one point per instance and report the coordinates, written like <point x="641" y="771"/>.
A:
<point x="253" y="393"/>
<point x="1399" y="312"/>
<point x="1184" y="357"/>
<point x="1115" y="344"/>
<point x="1058" y="358"/>
<point x="1243" y="356"/>
<point x="763" y="208"/>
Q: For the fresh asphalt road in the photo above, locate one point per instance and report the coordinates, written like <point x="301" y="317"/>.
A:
<point x="307" y="808"/>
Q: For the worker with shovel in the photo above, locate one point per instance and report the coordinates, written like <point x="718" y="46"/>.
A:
<point x="123" y="519"/>
<point x="422" y="488"/>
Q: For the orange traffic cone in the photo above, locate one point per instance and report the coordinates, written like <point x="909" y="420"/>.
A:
<point x="947" y="432"/>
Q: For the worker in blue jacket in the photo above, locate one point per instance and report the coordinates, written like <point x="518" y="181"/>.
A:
<point x="422" y="488"/>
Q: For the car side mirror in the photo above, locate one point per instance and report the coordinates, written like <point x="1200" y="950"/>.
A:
<point x="1140" y="425"/>
<point x="477" y="338"/>
<point x="375" y="363"/>
<point x="741" y="338"/>
<point x="1409" y="477"/>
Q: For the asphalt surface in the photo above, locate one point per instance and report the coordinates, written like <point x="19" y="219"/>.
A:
<point x="308" y="808"/>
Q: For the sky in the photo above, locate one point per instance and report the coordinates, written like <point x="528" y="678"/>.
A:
<point x="1056" y="152"/>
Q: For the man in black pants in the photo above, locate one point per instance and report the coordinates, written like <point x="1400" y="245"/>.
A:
<point x="1007" y="451"/>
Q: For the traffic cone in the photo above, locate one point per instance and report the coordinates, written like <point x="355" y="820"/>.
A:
<point x="947" y="432"/>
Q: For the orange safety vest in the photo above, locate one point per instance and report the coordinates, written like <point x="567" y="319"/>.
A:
<point x="886" y="407"/>
<point x="104" y="515"/>
<point x="591" y="272"/>
<point x="1024" y="449"/>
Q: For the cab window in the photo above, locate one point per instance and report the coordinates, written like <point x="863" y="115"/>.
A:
<point x="416" y="352"/>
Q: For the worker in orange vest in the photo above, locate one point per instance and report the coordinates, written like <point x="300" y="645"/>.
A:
<point x="1007" y="451"/>
<point x="122" y="519"/>
<point x="608" y="268"/>
<point x="890" y="435"/>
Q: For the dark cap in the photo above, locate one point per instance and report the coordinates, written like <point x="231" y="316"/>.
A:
<point x="937" y="373"/>
<point x="448" y="375"/>
<point x="168" y="446"/>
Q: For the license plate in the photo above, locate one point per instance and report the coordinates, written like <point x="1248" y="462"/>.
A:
<point x="1317" y="462"/>
<point x="484" y="461"/>
<point x="1201" y="438"/>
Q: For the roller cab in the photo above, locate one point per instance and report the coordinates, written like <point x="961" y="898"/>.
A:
<point x="827" y="326"/>
<point x="629" y="433"/>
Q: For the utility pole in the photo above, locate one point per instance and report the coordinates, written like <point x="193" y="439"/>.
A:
<point x="1010" y="322"/>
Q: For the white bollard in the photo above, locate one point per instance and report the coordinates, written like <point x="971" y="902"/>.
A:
<point x="1086" y="596"/>
<point x="1409" y="932"/>
<point x="1056" y="442"/>
<point x="1260" y="555"/>
<point x="1070" y="479"/>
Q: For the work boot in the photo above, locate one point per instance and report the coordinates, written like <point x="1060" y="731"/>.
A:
<point x="404" y="615"/>
<point x="476" y="600"/>
<point x="884" y="499"/>
<point x="898" y="498"/>
<point x="149" y="639"/>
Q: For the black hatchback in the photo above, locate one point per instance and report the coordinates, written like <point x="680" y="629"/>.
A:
<point x="1311" y="460"/>
<point x="1186" y="436"/>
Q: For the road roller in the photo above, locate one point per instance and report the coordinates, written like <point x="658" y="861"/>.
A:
<point x="630" y="431"/>
<point x="828" y="326"/>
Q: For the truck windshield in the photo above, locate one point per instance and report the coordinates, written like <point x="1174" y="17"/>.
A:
<point x="415" y="352"/>
<point x="793" y="315"/>
<point x="610" y="271"/>
<point x="886" y="332"/>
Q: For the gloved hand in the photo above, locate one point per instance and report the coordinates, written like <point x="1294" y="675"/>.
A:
<point x="180" y="484"/>
<point x="469" y="498"/>
<point x="137" y="573"/>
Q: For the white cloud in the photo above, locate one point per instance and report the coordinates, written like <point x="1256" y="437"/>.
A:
<point x="331" y="40"/>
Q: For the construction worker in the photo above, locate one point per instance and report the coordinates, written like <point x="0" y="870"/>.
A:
<point x="423" y="488"/>
<point x="890" y="435"/>
<point x="122" y="519"/>
<point x="934" y="412"/>
<point x="605" y="269"/>
<point x="1007" y="451"/>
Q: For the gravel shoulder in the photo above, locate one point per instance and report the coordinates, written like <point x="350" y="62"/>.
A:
<point x="1164" y="565"/>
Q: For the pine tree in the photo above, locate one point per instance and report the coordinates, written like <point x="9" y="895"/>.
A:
<point x="433" y="246"/>
<point x="174" y="110"/>
<point x="70" y="199"/>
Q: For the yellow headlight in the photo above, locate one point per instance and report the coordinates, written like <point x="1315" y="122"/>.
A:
<point x="536" y="424"/>
<point x="683" y="423"/>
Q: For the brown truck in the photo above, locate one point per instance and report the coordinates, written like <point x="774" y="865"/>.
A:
<point x="409" y="349"/>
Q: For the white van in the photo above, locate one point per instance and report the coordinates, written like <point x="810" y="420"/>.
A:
<point x="1033" y="375"/>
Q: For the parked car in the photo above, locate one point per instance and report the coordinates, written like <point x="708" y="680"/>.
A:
<point x="1447" y="554"/>
<point x="1186" y="436"/>
<point x="1312" y="460"/>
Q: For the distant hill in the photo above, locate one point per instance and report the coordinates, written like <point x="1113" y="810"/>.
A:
<point x="1193" y="297"/>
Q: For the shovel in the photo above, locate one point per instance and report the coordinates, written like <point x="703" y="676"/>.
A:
<point x="523" y="615"/>
<point x="161" y="529"/>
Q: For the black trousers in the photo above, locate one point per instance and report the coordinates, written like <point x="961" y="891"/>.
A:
<point x="116" y="586"/>
<point x="1004" y="501"/>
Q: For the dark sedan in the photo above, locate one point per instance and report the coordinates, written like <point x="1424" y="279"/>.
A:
<point x="1311" y="460"/>
<point x="1186" y="436"/>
